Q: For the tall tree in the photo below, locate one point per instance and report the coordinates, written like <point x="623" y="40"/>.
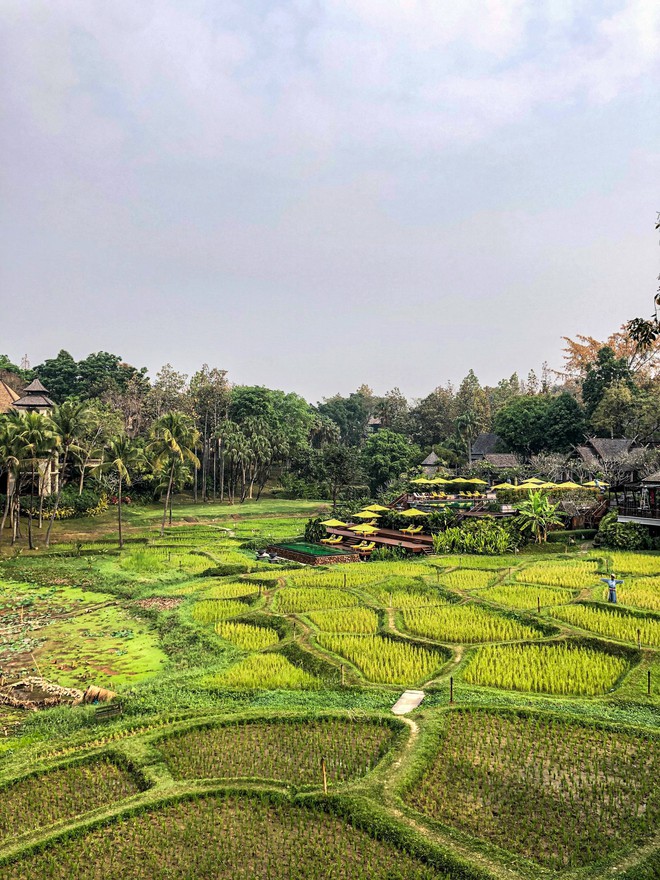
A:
<point x="174" y="439"/>
<point x="121" y="457"/>
<point x="386" y="456"/>
<point x="433" y="417"/>
<point x="38" y="443"/>
<point x="603" y="372"/>
<point x="70" y="422"/>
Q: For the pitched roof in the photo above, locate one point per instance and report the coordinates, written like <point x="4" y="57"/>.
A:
<point x="502" y="459"/>
<point x="36" y="387"/>
<point x="587" y="455"/>
<point x="34" y="401"/>
<point x="485" y="443"/>
<point x="430" y="460"/>
<point x="609" y="448"/>
<point x="7" y="396"/>
<point x="652" y="478"/>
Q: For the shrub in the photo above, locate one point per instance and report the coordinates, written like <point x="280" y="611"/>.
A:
<point x="483" y="536"/>
<point x="622" y="536"/>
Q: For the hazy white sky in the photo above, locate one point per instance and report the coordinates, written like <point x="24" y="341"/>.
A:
<point x="313" y="194"/>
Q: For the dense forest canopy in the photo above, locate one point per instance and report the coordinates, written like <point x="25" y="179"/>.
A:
<point x="239" y="437"/>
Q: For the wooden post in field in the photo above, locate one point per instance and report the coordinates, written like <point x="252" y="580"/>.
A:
<point x="639" y="638"/>
<point x="36" y="664"/>
<point x="538" y="604"/>
<point x="344" y="580"/>
<point x="325" y="776"/>
<point x="648" y="682"/>
<point x="342" y="674"/>
<point x="451" y="690"/>
<point x="294" y="627"/>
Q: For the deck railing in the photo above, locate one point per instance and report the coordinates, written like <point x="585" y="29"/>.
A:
<point x="636" y="510"/>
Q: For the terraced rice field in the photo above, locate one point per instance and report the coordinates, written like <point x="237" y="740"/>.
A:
<point x="466" y="579"/>
<point x="36" y="801"/>
<point x="573" y="575"/>
<point x="246" y="636"/>
<point x="287" y="751"/>
<point x="594" y="792"/>
<point x="265" y="672"/>
<point x="558" y="668"/>
<point x="346" y="620"/>
<point x="612" y="622"/>
<point x="222" y="838"/>
<point x="293" y="599"/>
<point x="523" y="597"/>
<point x="639" y="593"/>
<point x="468" y="624"/>
<point x="385" y="660"/>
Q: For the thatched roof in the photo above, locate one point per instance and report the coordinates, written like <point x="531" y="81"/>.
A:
<point x="485" y="444"/>
<point x="587" y="455"/>
<point x="652" y="478"/>
<point x="36" y="387"/>
<point x="607" y="447"/>
<point x="502" y="459"/>
<point x="430" y="460"/>
<point x="7" y="396"/>
<point x="35" y="396"/>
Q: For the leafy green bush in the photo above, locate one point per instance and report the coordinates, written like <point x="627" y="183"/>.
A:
<point x="565" y="537"/>
<point x="483" y="536"/>
<point x="621" y="536"/>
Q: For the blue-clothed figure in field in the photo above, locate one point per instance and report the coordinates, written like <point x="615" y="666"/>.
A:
<point x="612" y="584"/>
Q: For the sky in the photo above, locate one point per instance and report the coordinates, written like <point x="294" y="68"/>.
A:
<point x="316" y="194"/>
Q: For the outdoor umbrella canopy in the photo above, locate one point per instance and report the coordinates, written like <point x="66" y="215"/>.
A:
<point x="439" y="481"/>
<point x="412" y="511"/>
<point x="377" y="507"/>
<point x="569" y="485"/>
<point x="534" y="480"/>
<point x="503" y="486"/>
<point x="363" y="528"/>
<point x="547" y="485"/>
<point x="366" y="514"/>
<point x="422" y="480"/>
<point x="477" y="482"/>
<point x="334" y="523"/>
<point x="597" y="484"/>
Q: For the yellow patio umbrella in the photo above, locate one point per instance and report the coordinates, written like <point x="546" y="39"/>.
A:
<point x="412" y="511"/>
<point x="569" y="485"/>
<point x="363" y="529"/>
<point x="503" y="486"/>
<point x="422" y="480"/>
<point x="377" y="507"/>
<point x="548" y="485"/>
<point x="439" y="481"/>
<point x="534" y="480"/>
<point x="334" y="523"/>
<point x="477" y="482"/>
<point x="366" y="514"/>
<point x="596" y="484"/>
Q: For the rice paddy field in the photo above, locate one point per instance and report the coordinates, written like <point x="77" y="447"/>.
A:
<point x="253" y="734"/>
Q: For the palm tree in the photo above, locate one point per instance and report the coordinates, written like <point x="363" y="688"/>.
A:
<point x="174" y="439"/>
<point x="38" y="440"/>
<point x="70" y="421"/>
<point x="121" y="456"/>
<point x="536" y="514"/>
<point x="10" y="450"/>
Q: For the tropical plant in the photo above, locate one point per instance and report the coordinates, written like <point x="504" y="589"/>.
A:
<point x="121" y="457"/>
<point x="536" y="515"/>
<point x="174" y="438"/>
<point x="69" y="421"/>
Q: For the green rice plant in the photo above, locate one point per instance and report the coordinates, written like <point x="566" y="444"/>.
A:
<point x="559" y="793"/>
<point x="558" y="668"/>
<point x="612" y="622"/>
<point x="36" y="801"/>
<point x="525" y="596"/>
<point x="488" y="563"/>
<point x="294" y="599"/>
<point x="334" y="578"/>
<point x="265" y="672"/>
<point x="231" y="590"/>
<point x="212" y="610"/>
<point x="574" y="575"/>
<point x="635" y="563"/>
<point x="413" y="598"/>
<point x="468" y="624"/>
<point x="288" y="751"/>
<point x="347" y="620"/>
<point x="385" y="660"/>
<point x="224" y="837"/>
<point x="466" y="579"/>
<point x="245" y="636"/>
<point x="640" y="592"/>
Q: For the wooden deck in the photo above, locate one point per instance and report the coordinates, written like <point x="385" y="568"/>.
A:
<point x="389" y="538"/>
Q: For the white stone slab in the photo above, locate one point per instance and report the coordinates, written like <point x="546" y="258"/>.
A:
<point x="408" y="701"/>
